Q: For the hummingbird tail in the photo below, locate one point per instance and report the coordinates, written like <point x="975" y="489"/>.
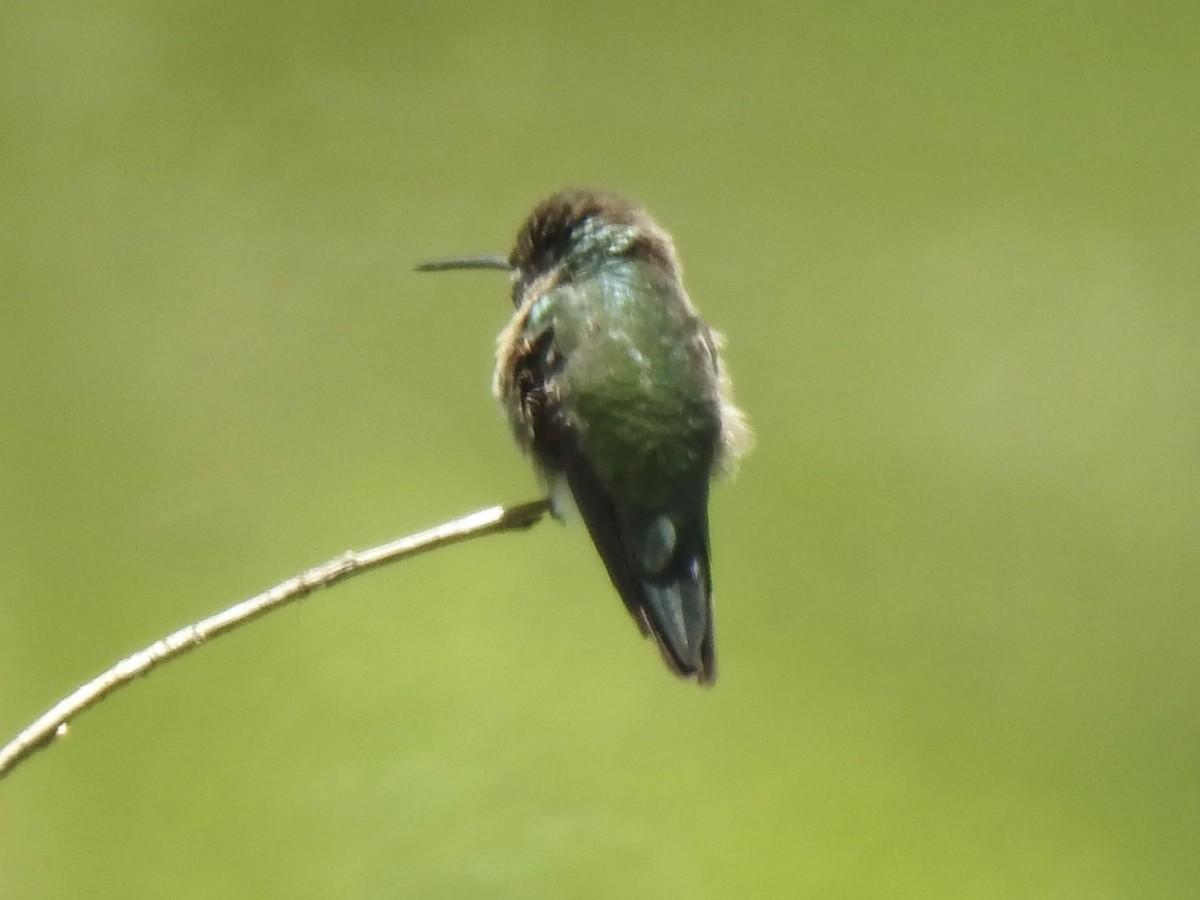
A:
<point x="675" y="608"/>
<point x="659" y="565"/>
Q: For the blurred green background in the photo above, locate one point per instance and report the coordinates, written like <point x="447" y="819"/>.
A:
<point x="955" y="251"/>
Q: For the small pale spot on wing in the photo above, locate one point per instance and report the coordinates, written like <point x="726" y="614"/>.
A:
<point x="658" y="544"/>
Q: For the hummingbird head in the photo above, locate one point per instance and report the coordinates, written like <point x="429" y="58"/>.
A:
<point x="571" y="234"/>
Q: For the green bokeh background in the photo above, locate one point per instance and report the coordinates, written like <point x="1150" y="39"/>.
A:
<point x="955" y="251"/>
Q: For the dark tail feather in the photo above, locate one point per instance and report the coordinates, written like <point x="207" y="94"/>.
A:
<point x="676" y="608"/>
<point x="659" y="565"/>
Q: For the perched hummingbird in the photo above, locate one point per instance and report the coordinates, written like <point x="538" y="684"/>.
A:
<point x="616" y="388"/>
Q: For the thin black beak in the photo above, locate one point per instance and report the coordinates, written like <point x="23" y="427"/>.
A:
<point x="465" y="262"/>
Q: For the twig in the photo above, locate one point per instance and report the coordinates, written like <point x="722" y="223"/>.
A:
<point x="53" y="723"/>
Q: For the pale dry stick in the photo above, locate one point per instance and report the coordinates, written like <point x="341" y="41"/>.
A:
<point x="53" y="723"/>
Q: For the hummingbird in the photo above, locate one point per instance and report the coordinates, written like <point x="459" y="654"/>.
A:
<point x="616" y="389"/>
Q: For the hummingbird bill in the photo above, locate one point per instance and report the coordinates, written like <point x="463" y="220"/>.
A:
<point x="615" y="388"/>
